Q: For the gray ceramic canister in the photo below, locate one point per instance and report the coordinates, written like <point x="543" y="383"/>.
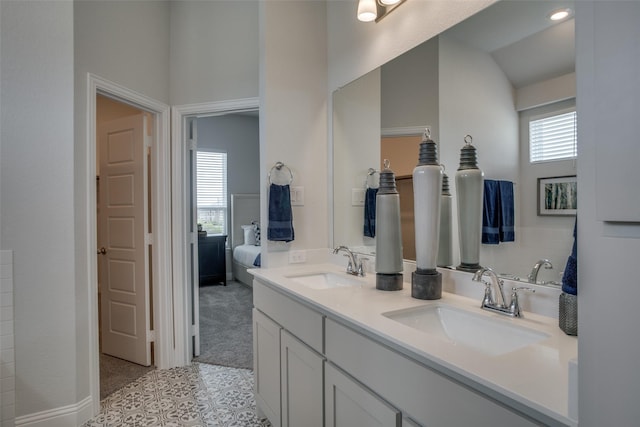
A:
<point x="469" y="192"/>
<point x="388" y="233"/>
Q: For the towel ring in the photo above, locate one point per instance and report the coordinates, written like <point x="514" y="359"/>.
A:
<point x="278" y="167"/>
<point x="370" y="175"/>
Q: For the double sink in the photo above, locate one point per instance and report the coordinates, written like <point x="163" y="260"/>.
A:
<point x="488" y="334"/>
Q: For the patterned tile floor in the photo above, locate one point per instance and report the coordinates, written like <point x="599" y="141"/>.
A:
<point x="197" y="395"/>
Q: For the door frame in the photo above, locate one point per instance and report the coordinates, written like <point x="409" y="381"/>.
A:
<point x="180" y="205"/>
<point x="162" y="301"/>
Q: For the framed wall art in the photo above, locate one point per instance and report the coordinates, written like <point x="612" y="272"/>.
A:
<point x="558" y="196"/>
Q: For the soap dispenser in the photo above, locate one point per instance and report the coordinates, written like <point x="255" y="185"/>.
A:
<point x="426" y="281"/>
<point x="469" y="195"/>
<point x="388" y="233"/>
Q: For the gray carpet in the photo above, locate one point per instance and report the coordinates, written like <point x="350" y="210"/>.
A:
<point x="226" y="326"/>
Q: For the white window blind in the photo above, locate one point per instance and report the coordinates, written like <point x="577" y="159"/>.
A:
<point x="553" y="138"/>
<point x="212" y="191"/>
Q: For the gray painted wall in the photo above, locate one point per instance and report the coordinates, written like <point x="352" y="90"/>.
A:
<point x="409" y="89"/>
<point x="37" y="198"/>
<point x="238" y="136"/>
<point x="293" y="116"/>
<point x="214" y="50"/>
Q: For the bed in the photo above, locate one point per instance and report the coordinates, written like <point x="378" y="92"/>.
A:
<point x="245" y="210"/>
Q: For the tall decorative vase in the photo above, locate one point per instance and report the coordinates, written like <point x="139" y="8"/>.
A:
<point x="388" y="233"/>
<point x="445" y="249"/>
<point x="469" y="191"/>
<point x="426" y="281"/>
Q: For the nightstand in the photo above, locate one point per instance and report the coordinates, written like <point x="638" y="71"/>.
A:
<point x="211" y="259"/>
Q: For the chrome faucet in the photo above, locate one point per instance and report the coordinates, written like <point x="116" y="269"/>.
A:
<point x="533" y="276"/>
<point x="497" y="283"/>
<point x="489" y="303"/>
<point x="354" y="267"/>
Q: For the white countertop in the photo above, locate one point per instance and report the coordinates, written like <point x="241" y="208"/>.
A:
<point x="535" y="376"/>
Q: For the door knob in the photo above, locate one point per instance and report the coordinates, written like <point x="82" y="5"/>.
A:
<point x="102" y="251"/>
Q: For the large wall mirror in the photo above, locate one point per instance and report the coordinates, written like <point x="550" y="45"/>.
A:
<point x="487" y="77"/>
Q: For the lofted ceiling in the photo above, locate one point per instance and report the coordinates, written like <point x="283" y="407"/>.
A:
<point x="518" y="34"/>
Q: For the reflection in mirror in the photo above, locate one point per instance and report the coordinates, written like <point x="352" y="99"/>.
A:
<point x="488" y="76"/>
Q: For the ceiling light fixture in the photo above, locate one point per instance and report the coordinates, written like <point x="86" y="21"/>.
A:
<point x="560" y="14"/>
<point x="375" y="10"/>
<point x="367" y="10"/>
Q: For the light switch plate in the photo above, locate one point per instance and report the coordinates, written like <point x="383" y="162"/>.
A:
<point x="297" y="257"/>
<point x="297" y="196"/>
<point x="357" y="197"/>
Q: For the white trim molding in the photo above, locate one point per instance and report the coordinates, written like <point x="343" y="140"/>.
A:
<point x="179" y="208"/>
<point x="404" y="131"/>
<point x="161" y="219"/>
<point x="7" y="341"/>
<point x="71" y="415"/>
<point x="215" y="108"/>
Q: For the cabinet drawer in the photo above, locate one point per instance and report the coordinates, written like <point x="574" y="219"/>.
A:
<point x="426" y="396"/>
<point x="301" y="321"/>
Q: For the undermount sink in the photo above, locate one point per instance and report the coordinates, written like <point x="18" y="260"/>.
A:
<point x="325" y="280"/>
<point x="485" y="334"/>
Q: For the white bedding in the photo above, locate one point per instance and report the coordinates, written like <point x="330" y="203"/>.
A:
<point x="246" y="254"/>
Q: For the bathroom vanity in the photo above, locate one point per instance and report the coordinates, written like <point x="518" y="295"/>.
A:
<point x="331" y="350"/>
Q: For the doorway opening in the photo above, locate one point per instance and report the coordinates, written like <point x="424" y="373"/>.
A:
<point x="157" y="245"/>
<point x="227" y="152"/>
<point x="186" y="123"/>
<point x="124" y="136"/>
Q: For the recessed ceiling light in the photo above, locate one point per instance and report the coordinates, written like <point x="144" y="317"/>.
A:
<point x="560" y="14"/>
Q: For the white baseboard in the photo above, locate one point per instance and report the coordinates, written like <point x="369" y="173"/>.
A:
<point x="70" y="415"/>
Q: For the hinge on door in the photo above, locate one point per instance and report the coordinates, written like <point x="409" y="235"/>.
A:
<point x="194" y="238"/>
<point x="151" y="336"/>
<point x="148" y="141"/>
<point x="191" y="144"/>
<point x="194" y="330"/>
<point x="148" y="239"/>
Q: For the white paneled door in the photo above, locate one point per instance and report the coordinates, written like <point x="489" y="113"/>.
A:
<point x="123" y="240"/>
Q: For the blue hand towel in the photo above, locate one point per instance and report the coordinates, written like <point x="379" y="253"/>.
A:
<point x="570" y="276"/>
<point x="280" y="214"/>
<point x="370" y="212"/>
<point x="506" y="221"/>
<point x="491" y="213"/>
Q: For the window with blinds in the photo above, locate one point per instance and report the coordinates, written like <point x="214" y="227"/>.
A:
<point x="212" y="191"/>
<point x="553" y="137"/>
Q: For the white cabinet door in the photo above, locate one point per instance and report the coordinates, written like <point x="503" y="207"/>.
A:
<point x="349" y="404"/>
<point x="266" y="366"/>
<point x="611" y="107"/>
<point x="301" y="371"/>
